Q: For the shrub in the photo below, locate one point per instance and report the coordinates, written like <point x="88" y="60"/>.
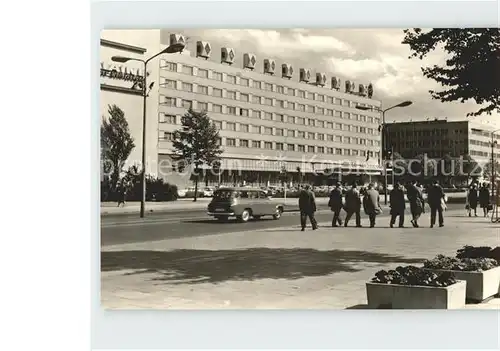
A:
<point x="156" y="189"/>
<point x="461" y="264"/>
<point x="411" y="275"/>
<point x="479" y="252"/>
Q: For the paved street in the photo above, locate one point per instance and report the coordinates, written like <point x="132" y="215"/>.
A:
<point x="131" y="228"/>
<point x="268" y="264"/>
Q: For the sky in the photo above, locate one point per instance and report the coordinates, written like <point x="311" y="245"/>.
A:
<point x="361" y="55"/>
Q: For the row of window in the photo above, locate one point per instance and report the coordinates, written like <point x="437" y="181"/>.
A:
<point x="430" y="143"/>
<point x="424" y="133"/>
<point x="269" y="145"/>
<point x="261" y="100"/>
<point x="278" y="117"/>
<point x="482" y="153"/>
<point x="255" y="84"/>
<point x="485" y="133"/>
<point x="440" y="142"/>
<point x="249" y="128"/>
<point x="482" y="143"/>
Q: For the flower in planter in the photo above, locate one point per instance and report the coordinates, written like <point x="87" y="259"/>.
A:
<point x="461" y="264"/>
<point x="411" y="275"/>
<point x="479" y="252"/>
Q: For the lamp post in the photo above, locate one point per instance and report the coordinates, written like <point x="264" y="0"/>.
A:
<point x="178" y="47"/>
<point x="493" y="176"/>
<point x="384" y="137"/>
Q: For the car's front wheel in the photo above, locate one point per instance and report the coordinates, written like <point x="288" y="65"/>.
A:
<point x="245" y="216"/>
<point x="278" y="213"/>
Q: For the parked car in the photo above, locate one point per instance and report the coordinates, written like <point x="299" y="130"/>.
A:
<point x="243" y="203"/>
<point x="190" y="192"/>
<point x="181" y="193"/>
<point x="207" y="192"/>
<point x="272" y="190"/>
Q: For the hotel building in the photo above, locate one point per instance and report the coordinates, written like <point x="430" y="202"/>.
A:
<point x="270" y="114"/>
<point x="440" y="137"/>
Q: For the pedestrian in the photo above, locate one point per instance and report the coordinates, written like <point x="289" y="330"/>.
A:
<point x="484" y="198"/>
<point x="371" y="204"/>
<point x="307" y="207"/>
<point x="398" y="205"/>
<point x="336" y="204"/>
<point x="353" y="205"/>
<point x="122" y="192"/>
<point x="435" y="198"/>
<point x="472" y="200"/>
<point x="416" y="200"/>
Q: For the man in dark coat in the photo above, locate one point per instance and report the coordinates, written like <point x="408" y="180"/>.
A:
<point x="307" y="207"/>
<point x="371" y="204"/>
<point x="472" y="200"/>
<point x="484" y="198"/>
<point x="435" y="198"/>
<point x="416" y="200"/>
<point x="398" y="205"/>
<point x="353" y="205"/>
<point x="336" y="205"/>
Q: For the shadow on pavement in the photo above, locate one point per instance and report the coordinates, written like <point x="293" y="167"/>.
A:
<point x="333" y="229"/>
<point x="202" y="266"/>
<point x="230" y="221"/>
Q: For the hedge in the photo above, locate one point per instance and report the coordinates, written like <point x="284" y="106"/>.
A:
<point x="156" y="190"/>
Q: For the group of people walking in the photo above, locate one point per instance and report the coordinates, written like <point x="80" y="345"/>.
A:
<point x="478" y="195"/>
<point x="368" y="199"/>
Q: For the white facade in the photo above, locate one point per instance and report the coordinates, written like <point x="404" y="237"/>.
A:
<point x="481" y="137"/>
<point x="267" y="121"/>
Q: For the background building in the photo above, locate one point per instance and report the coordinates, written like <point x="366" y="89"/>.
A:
<point x="440" y="137"/>
<point x="270" y="115"/>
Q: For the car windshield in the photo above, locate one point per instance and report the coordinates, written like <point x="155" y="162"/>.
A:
<point x="223" y="194"/>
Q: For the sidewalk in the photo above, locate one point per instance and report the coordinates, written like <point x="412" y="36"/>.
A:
<point x="277" y="268"/>
<point x="110" y="208"/>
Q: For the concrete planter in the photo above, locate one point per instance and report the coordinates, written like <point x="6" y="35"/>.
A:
<point x="394" y="296"/>
<point x="480" y="285"/>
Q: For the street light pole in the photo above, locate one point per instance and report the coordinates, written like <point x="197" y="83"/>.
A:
<point x="493" y="176"/>
<point x="143" y="156"/>
<point x="383" y="159"/>
<point x="178" y="47"/>
<point x="382" y="153"/>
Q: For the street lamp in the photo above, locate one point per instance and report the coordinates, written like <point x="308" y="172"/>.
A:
<point x="177" y="47"/>
<point x="493" y="143"/>
<point x="384" y="137"/>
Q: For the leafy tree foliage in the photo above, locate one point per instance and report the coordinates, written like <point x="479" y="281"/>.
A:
<point x="116" y="143"/>
<point x="487" y="171"/>
<point x="422" y="167"/>
<point x="468" y="168"/>
<point x="472" y="70"/>
<point x="445" y="170"/>
<point x="196" y="143"/>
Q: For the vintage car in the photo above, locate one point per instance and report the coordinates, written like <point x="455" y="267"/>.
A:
<point x="243" y="203"/>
